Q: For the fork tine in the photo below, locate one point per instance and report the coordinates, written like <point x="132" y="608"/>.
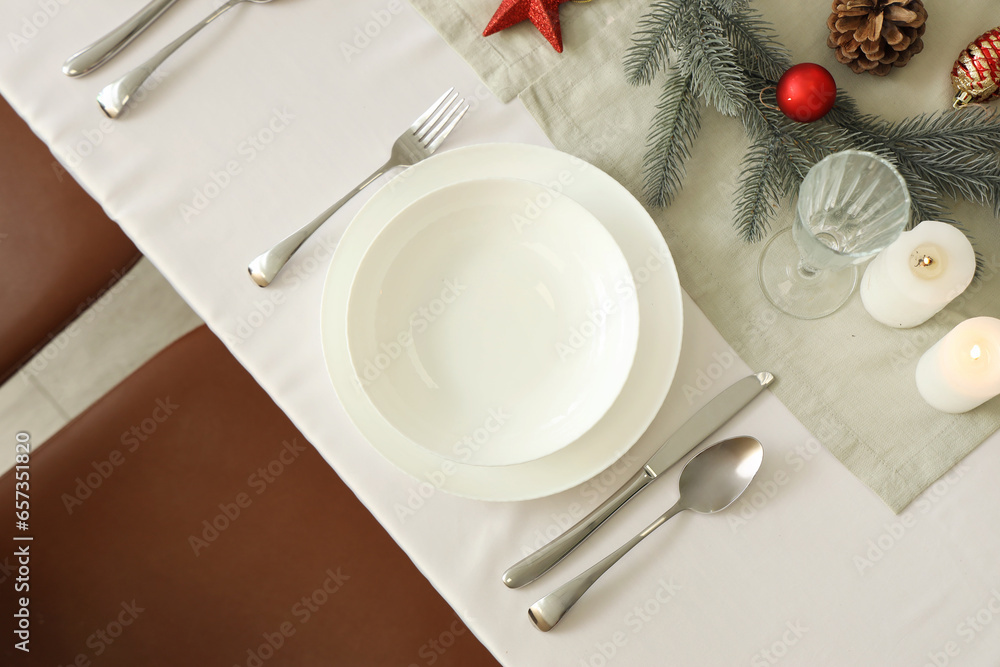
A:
<point x="435" y="119"/>
<point x="434" y="125"/>
<point x="446" y="130"/>
<point x="418" y="123"/>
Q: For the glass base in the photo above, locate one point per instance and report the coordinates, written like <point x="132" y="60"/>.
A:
<point x="803" y="294"/>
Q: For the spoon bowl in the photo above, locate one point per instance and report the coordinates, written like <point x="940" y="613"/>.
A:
<point x="709" y="483"/>
<point x="713" y="480"/>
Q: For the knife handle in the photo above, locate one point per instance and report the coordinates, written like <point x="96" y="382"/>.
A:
<point x="540" y="562"/>
<point x="107" y="47"/>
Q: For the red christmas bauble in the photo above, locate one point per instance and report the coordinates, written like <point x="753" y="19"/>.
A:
<point x="806" y="92"/>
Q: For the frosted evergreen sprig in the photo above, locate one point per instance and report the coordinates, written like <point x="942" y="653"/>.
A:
<point x="722" y="53"/>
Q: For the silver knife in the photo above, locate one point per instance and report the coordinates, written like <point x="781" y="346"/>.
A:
<point x="108" y="46"/>
<point x="706" y="421"/>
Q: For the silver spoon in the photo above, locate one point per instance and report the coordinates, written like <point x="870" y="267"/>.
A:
<point x="108" y="46"/>
<point x="710" y="482"/>
<point x="116" y="95"/>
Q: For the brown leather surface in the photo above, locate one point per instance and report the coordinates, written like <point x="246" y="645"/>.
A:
<point x="121" y="495"/>
<point x="58" y="250"/>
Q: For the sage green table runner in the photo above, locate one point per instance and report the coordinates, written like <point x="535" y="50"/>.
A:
<point x="848" y="379"/>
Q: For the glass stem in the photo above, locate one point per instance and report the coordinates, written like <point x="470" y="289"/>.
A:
<point x="807" y="271"/>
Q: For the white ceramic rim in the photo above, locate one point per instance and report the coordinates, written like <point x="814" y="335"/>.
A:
<point x="602" y="389"/>
<point x="660" y="306"/>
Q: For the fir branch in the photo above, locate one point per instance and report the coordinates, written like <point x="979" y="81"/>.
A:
<point x="656" y="34"/>
<point x="804" y="145"/>
<point x="973" y="179"/>
<point x="726" y="54"/>
<point x="925" y="203"/>
<point x="845" y="113"/>
<point x="733" y="6"/>
<point x="675" y="127"/>
<point x="710" y="60"/>
<point x="761" y="188"/>
<point x="952" y="154"/>
<point x="807" y="144"/>
<point x="757" y="49"/>
<point x="971" y="130"/>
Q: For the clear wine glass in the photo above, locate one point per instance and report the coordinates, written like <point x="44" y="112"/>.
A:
<point x="851" y="205"/>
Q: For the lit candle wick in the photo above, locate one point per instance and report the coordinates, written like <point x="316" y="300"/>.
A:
<point x="926" y="260"/>
<point x="976" y="352"/>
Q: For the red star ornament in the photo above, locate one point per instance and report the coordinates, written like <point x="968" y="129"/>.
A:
<point x="543" y="13"/>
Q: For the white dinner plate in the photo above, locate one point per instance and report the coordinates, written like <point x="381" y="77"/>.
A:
<point x="660" y="320"/>
<point x="493" y="296"/>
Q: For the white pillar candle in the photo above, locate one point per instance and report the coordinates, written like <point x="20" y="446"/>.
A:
<point x="919" y="274"/>
<point x="962" y="370"/>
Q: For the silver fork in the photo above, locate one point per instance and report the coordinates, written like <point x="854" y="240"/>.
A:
<point x="417" y="143"/>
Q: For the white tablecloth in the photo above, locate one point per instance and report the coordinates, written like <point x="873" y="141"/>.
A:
<point x="270" y="115"/>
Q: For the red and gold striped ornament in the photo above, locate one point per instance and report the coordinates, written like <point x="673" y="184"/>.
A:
<point x="976" y="75"/>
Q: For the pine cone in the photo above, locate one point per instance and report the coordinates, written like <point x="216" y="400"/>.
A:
<point x="876" y="35"/>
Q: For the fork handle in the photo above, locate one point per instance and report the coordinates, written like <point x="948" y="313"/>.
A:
<point x="116" y="95"/>
<point x="266" y="266"/>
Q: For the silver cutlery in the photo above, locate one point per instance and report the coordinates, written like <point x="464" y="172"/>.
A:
<point x="115" y="96"/>
<point x="417" y="143"/>
<point x="107" y="47"/>
<point x="704" y="422"/>
<point x="710" y="482"/>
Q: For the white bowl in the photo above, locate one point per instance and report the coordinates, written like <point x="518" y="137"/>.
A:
<point x="487" y="324"/>
<point x="661" y="323"/>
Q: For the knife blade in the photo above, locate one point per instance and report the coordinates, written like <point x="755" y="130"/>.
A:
<point x="706" y="421"/>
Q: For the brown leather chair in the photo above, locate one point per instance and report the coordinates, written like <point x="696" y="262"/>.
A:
<point x="183" y="520"/>
<point x="58" y="250"/>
